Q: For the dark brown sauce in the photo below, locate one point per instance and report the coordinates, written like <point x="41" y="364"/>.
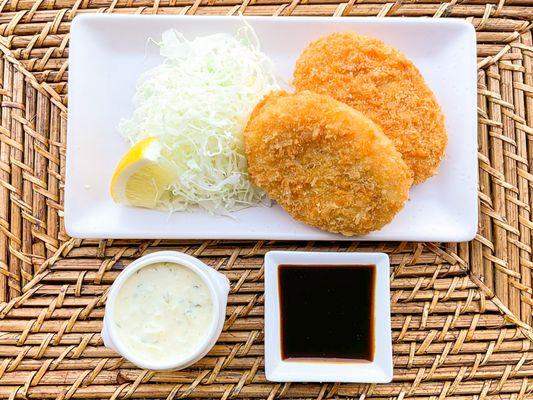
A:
<point x="327" y="312"/>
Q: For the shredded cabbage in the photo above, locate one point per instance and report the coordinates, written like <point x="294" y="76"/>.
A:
<point x="197" y="103"/>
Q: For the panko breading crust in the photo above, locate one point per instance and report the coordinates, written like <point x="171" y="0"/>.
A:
<point x="325" y="163"/>
<point x="383" y="84"/>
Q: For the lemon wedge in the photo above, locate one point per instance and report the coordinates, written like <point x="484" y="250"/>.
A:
<point x="142" y="175"/>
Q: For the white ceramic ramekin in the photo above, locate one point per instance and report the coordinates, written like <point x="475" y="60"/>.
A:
<point x="218" y="285"/>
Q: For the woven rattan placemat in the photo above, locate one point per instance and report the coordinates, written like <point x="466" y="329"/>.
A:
<point x="461" y="313"/>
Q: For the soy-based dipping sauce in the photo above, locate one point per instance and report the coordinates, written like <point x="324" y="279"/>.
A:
<point x="327" y="312"/>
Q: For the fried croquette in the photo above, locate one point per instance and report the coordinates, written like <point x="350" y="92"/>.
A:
<point x="383" y="84"/>
<point x="325" y="163"/>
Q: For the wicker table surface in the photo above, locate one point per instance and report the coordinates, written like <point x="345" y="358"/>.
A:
<point x="461" y="313"/>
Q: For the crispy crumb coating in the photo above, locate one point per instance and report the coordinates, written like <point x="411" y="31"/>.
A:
<point x="325" y="163"/>
<point x="383" y="84"/>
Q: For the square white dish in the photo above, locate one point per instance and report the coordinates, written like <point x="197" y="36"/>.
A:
<point x="380" y="370"/>
<point x="108" y="53"/>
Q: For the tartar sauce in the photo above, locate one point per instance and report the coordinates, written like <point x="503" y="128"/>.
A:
<point x="163" y="311"/>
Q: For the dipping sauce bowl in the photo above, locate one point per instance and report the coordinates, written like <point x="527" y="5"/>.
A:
<point x="327" y="317"/>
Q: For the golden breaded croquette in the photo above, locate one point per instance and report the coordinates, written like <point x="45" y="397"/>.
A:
<point x="383" y="84"/>
<point x="325" y="163"/>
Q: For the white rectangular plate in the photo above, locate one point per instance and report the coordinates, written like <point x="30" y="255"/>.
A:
<point x="108" y="53"/>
